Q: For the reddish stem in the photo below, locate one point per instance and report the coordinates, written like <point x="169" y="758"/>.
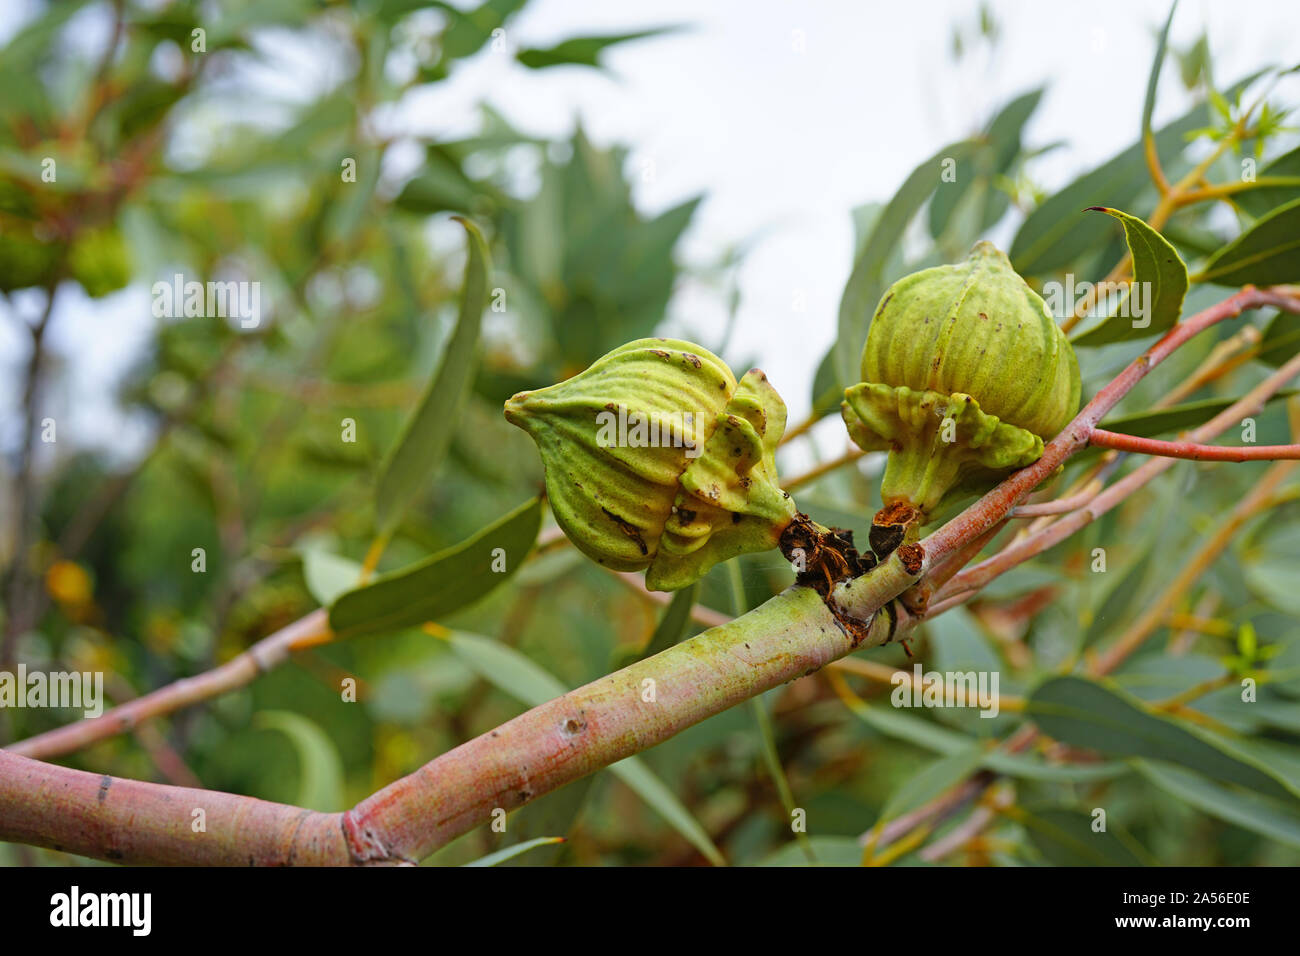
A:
<point x="1191" y="450"/>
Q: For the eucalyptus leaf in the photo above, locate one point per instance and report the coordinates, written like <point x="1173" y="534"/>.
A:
<point x="1153" y="80"/>
<point x="1177" y="418"/>
<point x="933" y="780"/>
<point x="1065" y="837"/>
<point x="827" y="851"/>
<point x="320" y="769"/>
<point x="510" y="852"/>
<point x="327" y="574"/>
<point x="1160" y="274"/>
<point x="1244" y="808"/>
<point x="1281" y="340"/>
<point x="427" y="433"/>
<point x="1084" y="713"/>
<point x="931" y="736"/>
<point x="1000" y="145"/>
<point x="1276" y="184"/>
<point x="1268" y="253"/>
<point x="582" y="51"/>
<point x="442" y="583"/>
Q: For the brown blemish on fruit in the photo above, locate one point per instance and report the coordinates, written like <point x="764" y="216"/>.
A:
<point x="628" y="529"/>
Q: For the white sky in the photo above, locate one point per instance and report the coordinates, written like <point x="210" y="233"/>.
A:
<point x="779" y="140"/>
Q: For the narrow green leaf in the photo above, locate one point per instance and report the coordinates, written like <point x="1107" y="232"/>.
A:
<point x="1161" y="278"/>
<point x="1284" y="669"/>
<point x="637" y="774"/>
<point x="582" y="51"/>
<point x="1268" y="253"/>
<point x="1125" y="587"/>
<point x="1281" y="339"/>
<point x="516" y="675"/>
<point x="348" y="211"/>
<point x="468" y="30"/>
<point x="427" y="433"/>
<point x="828" y="851"/>
<point x="997" y="153"/>
<point x="507" y="669"/>
<point x="1153" y="81"/>
<point x="442" y="583"/>
<point x="1177" y="418"/>
<point x="1244" y="808"/>
<point x="510" y="852"/>
<point x="1086" y="714"/>
<point x="1277" y="184"/>
<point x="320" y="768"/>
<point x="1274" y="581"/>
<point x="867" y="281"/>
<point x="932" y="780"/>
<point x="1065" y="837"/>
<point x="827" y="392"/>
<point x="931" y="736"/>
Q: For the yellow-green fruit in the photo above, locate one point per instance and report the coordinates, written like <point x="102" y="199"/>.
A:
<point x="100" y="262"/>
<point x="656" y="458"/>
<point x="964" y="375"/>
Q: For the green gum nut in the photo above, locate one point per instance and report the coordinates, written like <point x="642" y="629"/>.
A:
<point x="965" y="374"/>
<point x="657" y="459"/>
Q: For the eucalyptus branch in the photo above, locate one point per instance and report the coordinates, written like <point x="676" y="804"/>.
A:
<point x="128" y="821"/>
<point x="617" y="716"/>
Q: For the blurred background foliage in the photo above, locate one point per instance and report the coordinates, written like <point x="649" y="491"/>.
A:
<point x="171" y="158"/>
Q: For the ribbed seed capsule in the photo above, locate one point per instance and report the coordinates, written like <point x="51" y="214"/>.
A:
<point x="965" y="373"/>
<point x="656" y="458"/>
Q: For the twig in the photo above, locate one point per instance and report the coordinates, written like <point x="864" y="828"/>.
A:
<point x="825" y="467"/>
<point x="21" y="609"/>
<point x="802" y="428"/>
<point x="1191" y="450"/>
<point x="261" y="657"/>
<point x="883" y="673"/>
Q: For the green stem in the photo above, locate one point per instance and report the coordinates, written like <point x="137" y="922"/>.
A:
<point x="739" y="605"/>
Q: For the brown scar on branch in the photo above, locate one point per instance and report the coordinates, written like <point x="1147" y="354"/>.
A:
<point x="826" y="557"/>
